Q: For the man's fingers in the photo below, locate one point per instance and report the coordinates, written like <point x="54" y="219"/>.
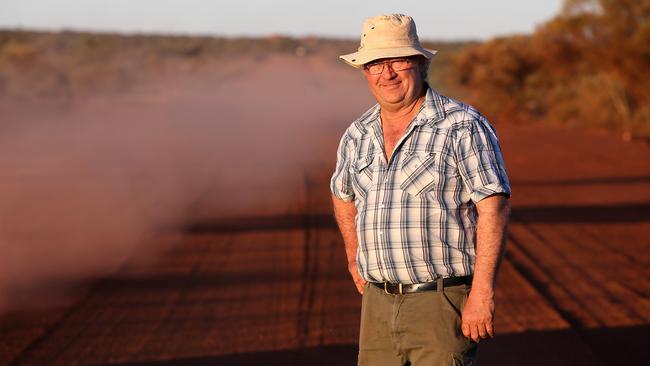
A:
<point x="477" y="330"/>
<point x="477" y="319"/>
<point x="475" y="333"/>
<point x="465" y="329"/>
<point x="482" y="332"/>
<point x="361" y="284"/>
<point x="485" y="329"/>
<point x="470" y="330"/>
<point x="490" y="329"/>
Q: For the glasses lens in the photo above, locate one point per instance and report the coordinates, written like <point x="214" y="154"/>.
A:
<point x="376" y="68"/>
<point x="401" y="64"/>
<point x="396" y="65"/>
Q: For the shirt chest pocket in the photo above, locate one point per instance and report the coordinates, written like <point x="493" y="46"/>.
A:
<point x="364" y="171"/>
<point x="418" y="173"/>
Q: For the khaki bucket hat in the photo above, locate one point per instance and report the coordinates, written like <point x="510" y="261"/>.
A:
<point x="384" y="36"/>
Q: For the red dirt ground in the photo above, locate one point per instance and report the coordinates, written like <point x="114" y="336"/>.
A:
<point x="266" y="283"/>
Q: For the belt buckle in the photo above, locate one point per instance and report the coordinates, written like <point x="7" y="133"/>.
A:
<point x="399" y="287"/>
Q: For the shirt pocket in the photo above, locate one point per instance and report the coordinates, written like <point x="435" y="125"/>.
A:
<point x="418" y="173"/>
<point x="363" y="171"/>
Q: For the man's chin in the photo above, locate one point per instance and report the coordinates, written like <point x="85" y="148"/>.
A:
<point x="393" y="99"/>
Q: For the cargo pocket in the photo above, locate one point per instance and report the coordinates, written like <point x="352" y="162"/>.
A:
<point x="417" y="174"/>
<point x="461" y="360"/>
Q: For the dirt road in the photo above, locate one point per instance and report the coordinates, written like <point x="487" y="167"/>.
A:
<point x="271" y="287"/>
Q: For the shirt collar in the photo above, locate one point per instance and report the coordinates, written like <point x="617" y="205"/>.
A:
<point x="432" y="110"/>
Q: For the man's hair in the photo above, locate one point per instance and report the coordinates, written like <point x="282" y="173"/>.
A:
<point x="424" y="65"/>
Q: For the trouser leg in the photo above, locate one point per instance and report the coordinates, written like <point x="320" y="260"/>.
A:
<point x="376" y="339"/>
<point x="431" y="324"/>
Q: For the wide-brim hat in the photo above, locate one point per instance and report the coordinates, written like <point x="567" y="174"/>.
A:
<point x="387" y="36"/>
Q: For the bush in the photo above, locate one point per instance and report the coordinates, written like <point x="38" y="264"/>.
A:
<point x="586" y="67"/>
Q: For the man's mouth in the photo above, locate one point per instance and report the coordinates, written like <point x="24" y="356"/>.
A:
<point x="390" y="86"/>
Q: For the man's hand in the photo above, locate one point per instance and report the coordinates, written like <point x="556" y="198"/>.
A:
<point x="356" y="277"/>
<point x="344" y="212"/>
<point x="478" y="313"/>
<point x="478" y="316"/>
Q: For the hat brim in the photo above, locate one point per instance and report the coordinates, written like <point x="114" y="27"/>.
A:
<point x="360" y="58"/>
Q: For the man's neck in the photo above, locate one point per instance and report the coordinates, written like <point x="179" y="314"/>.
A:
<point x="400" y="114"/>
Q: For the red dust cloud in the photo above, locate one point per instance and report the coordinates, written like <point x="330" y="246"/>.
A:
<point x="91" y="184"/>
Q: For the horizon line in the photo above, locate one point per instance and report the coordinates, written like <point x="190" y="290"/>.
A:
<point x="199" y="34"/>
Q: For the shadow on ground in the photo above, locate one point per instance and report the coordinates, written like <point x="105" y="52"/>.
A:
<point x="603" y="346"/>
<point x="625" y="212"/>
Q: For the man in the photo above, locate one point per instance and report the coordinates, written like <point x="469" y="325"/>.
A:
<point x="420" y="194"/>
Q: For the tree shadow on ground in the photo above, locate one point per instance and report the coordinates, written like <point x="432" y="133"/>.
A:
<point x="602" y="346"/>
<point x="610" y="213"/>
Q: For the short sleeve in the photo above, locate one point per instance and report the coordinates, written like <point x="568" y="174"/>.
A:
<point x="341" y="184"/>
<point x="480" y="161"/>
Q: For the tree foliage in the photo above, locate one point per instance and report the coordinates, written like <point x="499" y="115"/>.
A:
<point x="589" y="66"/>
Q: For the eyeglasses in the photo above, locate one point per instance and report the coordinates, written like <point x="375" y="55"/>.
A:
<point x="399" y="64"/>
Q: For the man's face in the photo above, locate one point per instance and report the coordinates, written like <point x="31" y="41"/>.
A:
<point x="399" y="83"/>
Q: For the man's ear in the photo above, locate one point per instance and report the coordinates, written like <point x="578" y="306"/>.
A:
<point x="424" y="66"/>
<point x="423" y="72"/>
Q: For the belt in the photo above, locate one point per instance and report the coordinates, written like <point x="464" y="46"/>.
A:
<point x="400" y="288"/>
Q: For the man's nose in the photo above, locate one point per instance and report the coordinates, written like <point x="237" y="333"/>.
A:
<point x="388" y="72"/>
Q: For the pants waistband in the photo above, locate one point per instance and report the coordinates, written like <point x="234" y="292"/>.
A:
<point x="399" y="288"/>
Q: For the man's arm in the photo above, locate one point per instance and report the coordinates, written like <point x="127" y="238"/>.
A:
<point x="345" y="212"/>
<point x="491" y="231"/>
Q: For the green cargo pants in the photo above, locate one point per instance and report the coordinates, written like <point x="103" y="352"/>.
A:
<point x="423" y="328"/>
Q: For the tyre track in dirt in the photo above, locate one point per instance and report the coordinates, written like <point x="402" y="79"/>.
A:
<point x="310" y="249"/>
<point x="539" y="278"/>
<point x="584" y="297"/>
<point x="592" y="252"/>
<point x="526" y="264"/>
<point x="51" y="329"/>
<point x="583" y="281"/>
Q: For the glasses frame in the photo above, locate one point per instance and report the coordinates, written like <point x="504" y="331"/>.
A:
<point x="411" y="62"/>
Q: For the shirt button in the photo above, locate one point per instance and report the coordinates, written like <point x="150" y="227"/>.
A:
<point x="381" y="205"/>
<point x="381" y="233"/>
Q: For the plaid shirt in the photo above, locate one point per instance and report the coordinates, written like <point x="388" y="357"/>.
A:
<point x="416" y="214"/>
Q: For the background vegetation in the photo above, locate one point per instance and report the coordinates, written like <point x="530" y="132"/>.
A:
<point x="588" y="67"/>
<point x="65" y="64"/>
